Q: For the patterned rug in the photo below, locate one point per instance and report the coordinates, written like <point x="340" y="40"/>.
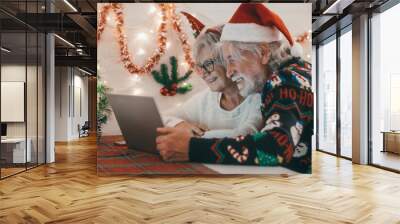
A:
<point x="119" y="160"/>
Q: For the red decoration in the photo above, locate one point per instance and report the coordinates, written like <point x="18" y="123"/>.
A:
<point x="176" y="24"/>
<point x="303" y="37"/>
<point x="197" y="25"/>
<point x="164" y="91"/>
<point x="167" y="11"/>
<point x="255" y="13"/>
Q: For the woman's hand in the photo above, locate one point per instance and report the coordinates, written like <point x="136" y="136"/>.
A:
<point x="194" y="130"/>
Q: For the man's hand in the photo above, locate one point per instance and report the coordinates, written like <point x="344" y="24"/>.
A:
<point x="191" y="128"/>
<point x="173" y="144"/>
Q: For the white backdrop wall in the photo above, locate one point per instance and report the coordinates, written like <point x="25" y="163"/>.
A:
<point x="141" y="22"/>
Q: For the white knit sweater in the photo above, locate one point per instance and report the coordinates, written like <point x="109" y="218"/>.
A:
<point x="204" y="109"/>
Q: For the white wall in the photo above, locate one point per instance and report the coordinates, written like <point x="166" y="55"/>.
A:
<point x="12" y="73"/>
<point x="68" y="81"/>
<point x="140" y="19"/>
<point x="80" y="84"/>
<point x="62" y="80"/>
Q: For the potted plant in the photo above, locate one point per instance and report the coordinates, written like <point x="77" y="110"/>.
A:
<point x="103" y="107"/>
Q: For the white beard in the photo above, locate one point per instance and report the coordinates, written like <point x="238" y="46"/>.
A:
<point x="245" y="85"/>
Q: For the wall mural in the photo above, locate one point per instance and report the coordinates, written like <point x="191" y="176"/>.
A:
<point x="194" y="89"/>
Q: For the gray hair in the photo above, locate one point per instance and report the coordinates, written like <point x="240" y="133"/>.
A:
<point x="278" y="52"/>
<point x="210" y="41"/>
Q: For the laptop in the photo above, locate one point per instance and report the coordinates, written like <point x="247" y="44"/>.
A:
<point x="138" y="118"/>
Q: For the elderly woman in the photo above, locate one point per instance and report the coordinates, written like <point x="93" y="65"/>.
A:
<point x="219" y="111"/>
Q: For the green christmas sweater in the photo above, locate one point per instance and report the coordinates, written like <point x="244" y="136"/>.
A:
<point x="285" y="140"/>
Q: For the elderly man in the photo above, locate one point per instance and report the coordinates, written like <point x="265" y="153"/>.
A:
<point x="258" y="61"/>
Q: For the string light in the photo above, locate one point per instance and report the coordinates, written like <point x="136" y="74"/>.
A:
<point x="137" y="91"/>
<point x="184" y="64"/>
<point x="135" y="78"/>
<point x="167" y="13"/>
<point x="141" y="51"/>
<point x="152" y="9"/>
<point x="125" y="56"/>
<point x="141" y="36"/>
<point x="301" y="38"/>
<point x="176" y="24"/>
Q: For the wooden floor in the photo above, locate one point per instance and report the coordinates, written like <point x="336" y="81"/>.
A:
<point x="69" y="191"/>
<point x="387" y="159"/>
<point x="10" y="171"/>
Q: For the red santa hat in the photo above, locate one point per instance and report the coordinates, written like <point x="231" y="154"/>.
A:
<point x="198" y="27"/>
<point x="254" y="22"/>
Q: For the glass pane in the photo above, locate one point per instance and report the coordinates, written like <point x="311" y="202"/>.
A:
<point x="31" y="97"/>
<point x="327" y="97"/>
<point x="346" y="94"/>
<point x="385" y="83"/>
<point x="314" y="81"/>
<point x="41" y="98"/>
<point x="13" y="86"/>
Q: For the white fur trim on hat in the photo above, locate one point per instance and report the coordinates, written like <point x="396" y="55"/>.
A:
<point x="250" y="32"/>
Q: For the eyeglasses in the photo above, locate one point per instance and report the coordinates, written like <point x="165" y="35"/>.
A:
<point x="207" y="66"/>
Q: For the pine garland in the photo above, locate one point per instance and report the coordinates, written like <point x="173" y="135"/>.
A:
<point x="170" y="81"/>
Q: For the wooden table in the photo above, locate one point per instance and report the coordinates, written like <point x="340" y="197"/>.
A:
<point x="391" y="141"/>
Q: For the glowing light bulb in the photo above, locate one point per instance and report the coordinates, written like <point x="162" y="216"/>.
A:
<point x="137" y="91"/>
<point x="108" y="18"/>
<point x="141" y="36"/>
<point x="140" y="52"/>
<point x="168" y="44"/>
<point x="135" y="78"/>
<point x="159" y="18"/>
<point x="152" y="9"/>
<point x="184" y="64"/>
<point x="308" y="56"/>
